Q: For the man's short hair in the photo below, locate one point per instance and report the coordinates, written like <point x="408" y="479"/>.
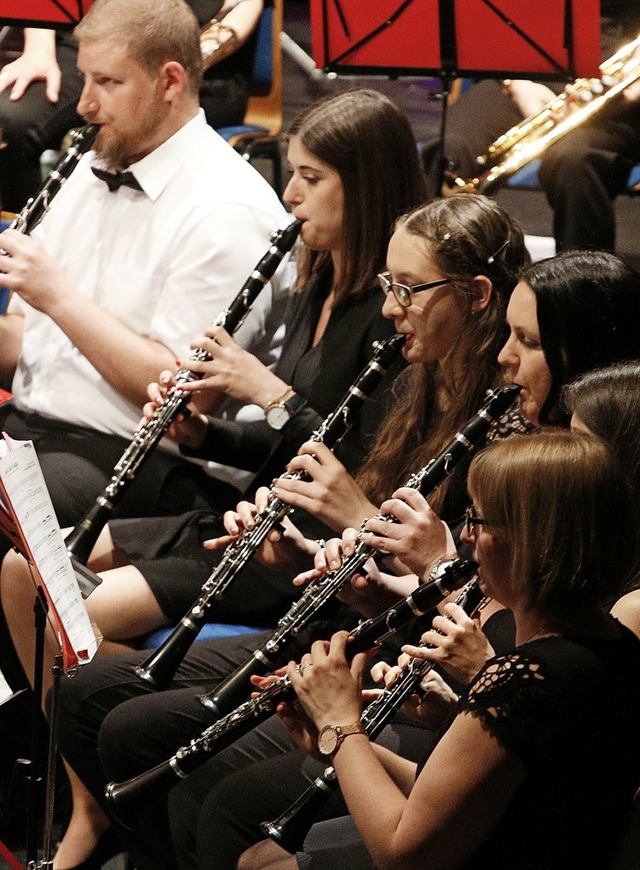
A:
<point x="154" y="32"/>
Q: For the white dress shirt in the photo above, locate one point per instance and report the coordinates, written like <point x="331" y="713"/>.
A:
<point x="164" y="261"/>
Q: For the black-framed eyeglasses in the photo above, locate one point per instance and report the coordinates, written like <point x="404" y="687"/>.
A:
<point x="402" y="293"/>
<point x="471" y="520"/>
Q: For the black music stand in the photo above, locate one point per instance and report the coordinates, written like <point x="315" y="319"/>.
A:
<point x="449" y="39"/>
<point x="59" y="14"/>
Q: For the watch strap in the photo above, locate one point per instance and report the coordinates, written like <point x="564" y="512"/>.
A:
<point x="294" y="403"/>
<point x="340" y="732"/>
<point x="279" y="400"/>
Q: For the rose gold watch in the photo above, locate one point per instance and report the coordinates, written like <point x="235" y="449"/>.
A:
<point x="331" y="736"/>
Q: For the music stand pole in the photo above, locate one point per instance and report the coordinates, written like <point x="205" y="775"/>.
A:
<point x="57" y="671"/>
<point x="34" y="779"/>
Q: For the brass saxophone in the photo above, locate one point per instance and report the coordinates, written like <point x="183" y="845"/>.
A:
<point x="213" y="48"/>
<point x="532" y="136"/>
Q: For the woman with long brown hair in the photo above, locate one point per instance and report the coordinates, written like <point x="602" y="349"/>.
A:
<point x="451" y="266"/>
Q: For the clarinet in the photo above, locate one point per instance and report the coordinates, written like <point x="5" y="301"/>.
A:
<point x="81" y="539"/>
<point x="129" y="798"/>
<point x="162" y="664"/>
<point x="290" y="829"/>
<point x="464" y="443"/>
<point x="37" y="207"/>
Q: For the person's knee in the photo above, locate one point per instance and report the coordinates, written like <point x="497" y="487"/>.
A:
<point x="262" y="856"/>
<point x="16" y="125"/>
<point x="120" y="747"/>
<point x="565" y="161"/>
<point x="15" y="579"/>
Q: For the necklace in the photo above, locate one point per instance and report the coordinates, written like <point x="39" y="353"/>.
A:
<point x="539" y="633"/>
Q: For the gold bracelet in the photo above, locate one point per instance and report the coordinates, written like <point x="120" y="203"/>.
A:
<point x="278" y="400"/>
<point x="213" y="49"/>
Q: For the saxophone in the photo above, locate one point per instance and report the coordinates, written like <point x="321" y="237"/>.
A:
<point x="532" y="136"/>
<point x="212" y="46"/>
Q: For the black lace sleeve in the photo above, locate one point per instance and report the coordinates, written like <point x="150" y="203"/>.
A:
<point x="511" y="423"/>
<point x="514" y="696"/>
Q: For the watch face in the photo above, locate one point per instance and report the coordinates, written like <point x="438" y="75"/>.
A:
<point x="328" y="740"/>
<point x="277" y="416"/>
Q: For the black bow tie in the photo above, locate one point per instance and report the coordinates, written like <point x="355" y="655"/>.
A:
<point x="114" y="180"/>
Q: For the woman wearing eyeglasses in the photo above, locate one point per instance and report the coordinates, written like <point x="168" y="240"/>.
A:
<point x="540" y="762"/>
<point x="450" y="264"/>
<point x="568" y="315"/>
<point x="468" y="252"/>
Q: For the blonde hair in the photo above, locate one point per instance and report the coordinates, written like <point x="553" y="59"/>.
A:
<point x="153" y="31"/>
<point x="565" y="509"/>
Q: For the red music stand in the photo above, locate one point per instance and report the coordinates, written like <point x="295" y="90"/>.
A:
<point x="59" y="14"/>
<point x="457" y="38"/>
<point x="452" y="38"/>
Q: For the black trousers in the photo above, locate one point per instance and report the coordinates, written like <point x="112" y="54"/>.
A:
<point x="32" y="124"/>
<point x="211" y="817"/>
<point x="77" y="464"/>
<point x="581" y="174"/>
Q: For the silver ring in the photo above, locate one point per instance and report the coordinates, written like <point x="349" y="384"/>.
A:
<point x="300" y="668"/>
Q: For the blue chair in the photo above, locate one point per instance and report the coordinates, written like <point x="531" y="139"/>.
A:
<point x="259" y="135"/>
<point x="5" y="222"/>
<point x="209" y="631"/>
<point x="527" y="178"/>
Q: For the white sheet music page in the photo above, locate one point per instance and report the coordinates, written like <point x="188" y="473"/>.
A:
<point x="26" y="491"/>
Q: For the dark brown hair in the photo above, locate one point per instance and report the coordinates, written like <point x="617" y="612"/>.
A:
<point x="368" y="140"/>
<point x="588" y="310"/>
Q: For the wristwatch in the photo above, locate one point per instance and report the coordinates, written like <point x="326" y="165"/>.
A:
<point x="331" y="736"/>
<point x="279" y="411"/>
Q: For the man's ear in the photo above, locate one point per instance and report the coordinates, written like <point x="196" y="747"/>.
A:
<point x="174" y="79"/>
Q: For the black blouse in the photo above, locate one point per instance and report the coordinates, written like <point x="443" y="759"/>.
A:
<point x="321" y="375"/>
<point x="569" y="709"/>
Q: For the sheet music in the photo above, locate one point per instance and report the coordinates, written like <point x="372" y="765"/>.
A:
<point x="26" y="489"/>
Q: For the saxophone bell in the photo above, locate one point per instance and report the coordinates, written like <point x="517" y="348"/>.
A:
<point x="532" y="136"/>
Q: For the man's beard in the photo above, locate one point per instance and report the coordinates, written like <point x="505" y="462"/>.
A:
<point x="113" y="154"/>
<point x="118" y="151"/>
